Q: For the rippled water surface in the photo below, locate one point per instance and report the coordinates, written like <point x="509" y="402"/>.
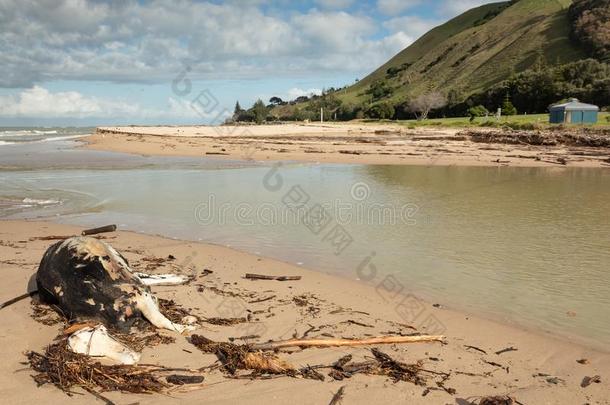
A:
<point x="520" y="244"/>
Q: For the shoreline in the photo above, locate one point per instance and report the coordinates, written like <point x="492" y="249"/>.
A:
<point x="537" y="352"/>
<point x="389" y="144"/>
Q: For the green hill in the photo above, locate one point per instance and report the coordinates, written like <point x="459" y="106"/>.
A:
<point x="477" y="50"/>
<point x="535" y="52"/>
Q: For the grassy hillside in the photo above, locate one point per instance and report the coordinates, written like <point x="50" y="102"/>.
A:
<point x="471" y="53"/>
<point x="477" y="50"/>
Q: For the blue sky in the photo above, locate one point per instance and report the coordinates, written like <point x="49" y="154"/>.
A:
<point x="94" y="62"/>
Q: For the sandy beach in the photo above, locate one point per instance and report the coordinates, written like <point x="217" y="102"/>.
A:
<point x="542" y="369"/>
<point x="391" y="144"/>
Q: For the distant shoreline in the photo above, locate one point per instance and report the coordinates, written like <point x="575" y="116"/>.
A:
<point x="391" y="144"/>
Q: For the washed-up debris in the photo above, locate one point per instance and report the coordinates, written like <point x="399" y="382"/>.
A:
<point x="262" y="299"/>
<point x="582" y="361"/>
<point x="184" y="379"/>
<point x="263" y="362"/>
<point x="508" y="349"/>
<point x="102" y="229"/>
<point x="554" y="380"/>
<point x="65" y="369"/>
<point x="47" y="315"/>
<point x="225" y="321"/>
<point x="493" y="363"/>
<point x="336" y="399"/>
<point x="475" y="348"/>
<point x="251" y="276"/>
<point x="236" y="357"/>
<point x="172" y="311"/>
<point x="588" y="137"/>
<point x="497" y="400"/>
<point x="352" y="322"/>
<point x="17" y="299"/>
<point x="590" y="380"/>
<point x="347" y="342"/>
<point x="138" y="342"/>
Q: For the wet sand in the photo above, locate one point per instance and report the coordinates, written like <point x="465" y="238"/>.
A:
<point x="543" y="370"/>
<point x="339" y="143"/>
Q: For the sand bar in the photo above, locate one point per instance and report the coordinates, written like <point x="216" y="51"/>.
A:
<point x="339" y="143"/>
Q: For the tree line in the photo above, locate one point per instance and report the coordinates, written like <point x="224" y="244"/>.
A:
<point x="531" y="91"/>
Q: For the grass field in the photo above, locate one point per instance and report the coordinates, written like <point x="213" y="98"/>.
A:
<point x="516" y="121"/>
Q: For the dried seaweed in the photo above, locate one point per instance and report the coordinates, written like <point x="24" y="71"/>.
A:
<point x="398" y="371"/>
<point x="47" y="315"/>
<point x="138" y="342"/>
<point x="172" y="311"/>
<point x="236" y="357"/>
<point x="225" y="321"/>
<point x="497" y="400"/>
<point x="65" y="369"/>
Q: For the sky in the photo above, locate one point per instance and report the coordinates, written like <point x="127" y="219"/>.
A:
<point x="95" y="62"/>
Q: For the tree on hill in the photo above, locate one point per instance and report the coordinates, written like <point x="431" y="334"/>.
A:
<point x="276" y="101"/>
<point x="259" y="111"/>
<point x="507" y="107"/>
<point x="591" y="26"/>
<point x="423" y="104"/>
<point x="238" y="110"/>
<point x="380" y="89"/>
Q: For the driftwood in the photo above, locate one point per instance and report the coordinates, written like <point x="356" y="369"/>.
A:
<point x="346" y="342"/>
<point x="588" y="380"/>
<point x="17" y="299"/>
<point x="336" y="399"/>
<point x="251" y="276"/>
<point x="95" y="231"/>
<point x="51" y="237"/>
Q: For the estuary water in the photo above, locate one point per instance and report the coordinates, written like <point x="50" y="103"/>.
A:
<point x="529" y="246"/>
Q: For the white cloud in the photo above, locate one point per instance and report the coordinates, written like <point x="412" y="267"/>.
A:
<point x="452" y="8"/>
<point x="133" y="41"/>
<point x="39" y="102"/>
<point x="394" y="7"/>
<point x="296" y="92"/>
<point x="412" y="26"/>
<point x="335" y="4"/>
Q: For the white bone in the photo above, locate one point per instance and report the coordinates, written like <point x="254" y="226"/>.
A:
<point x="147" y="305"/>
<point x="96" y="342"/>
<point x="161" y="279"/>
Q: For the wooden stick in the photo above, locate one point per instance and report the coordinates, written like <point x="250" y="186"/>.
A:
<point x="336" y="399"/>
<point x="277" y="278"/>
<point x="95" y="231"/>
<point x="347" y="342"/>
<point x="52" y="237"/>
<point x="17" y="299"/>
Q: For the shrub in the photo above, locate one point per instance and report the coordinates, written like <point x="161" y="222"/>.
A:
<point x="477" y="111"/>
<point x="380" y="89"/>
<point x="380" y="111"/>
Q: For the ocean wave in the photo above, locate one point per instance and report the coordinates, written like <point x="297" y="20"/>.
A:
<point x="62" y="138"/>
<point x="33" y="202"/>
<point x="38" y="138"/>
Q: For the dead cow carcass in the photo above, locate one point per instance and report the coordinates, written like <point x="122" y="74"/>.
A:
<point x="89" y="280"/>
